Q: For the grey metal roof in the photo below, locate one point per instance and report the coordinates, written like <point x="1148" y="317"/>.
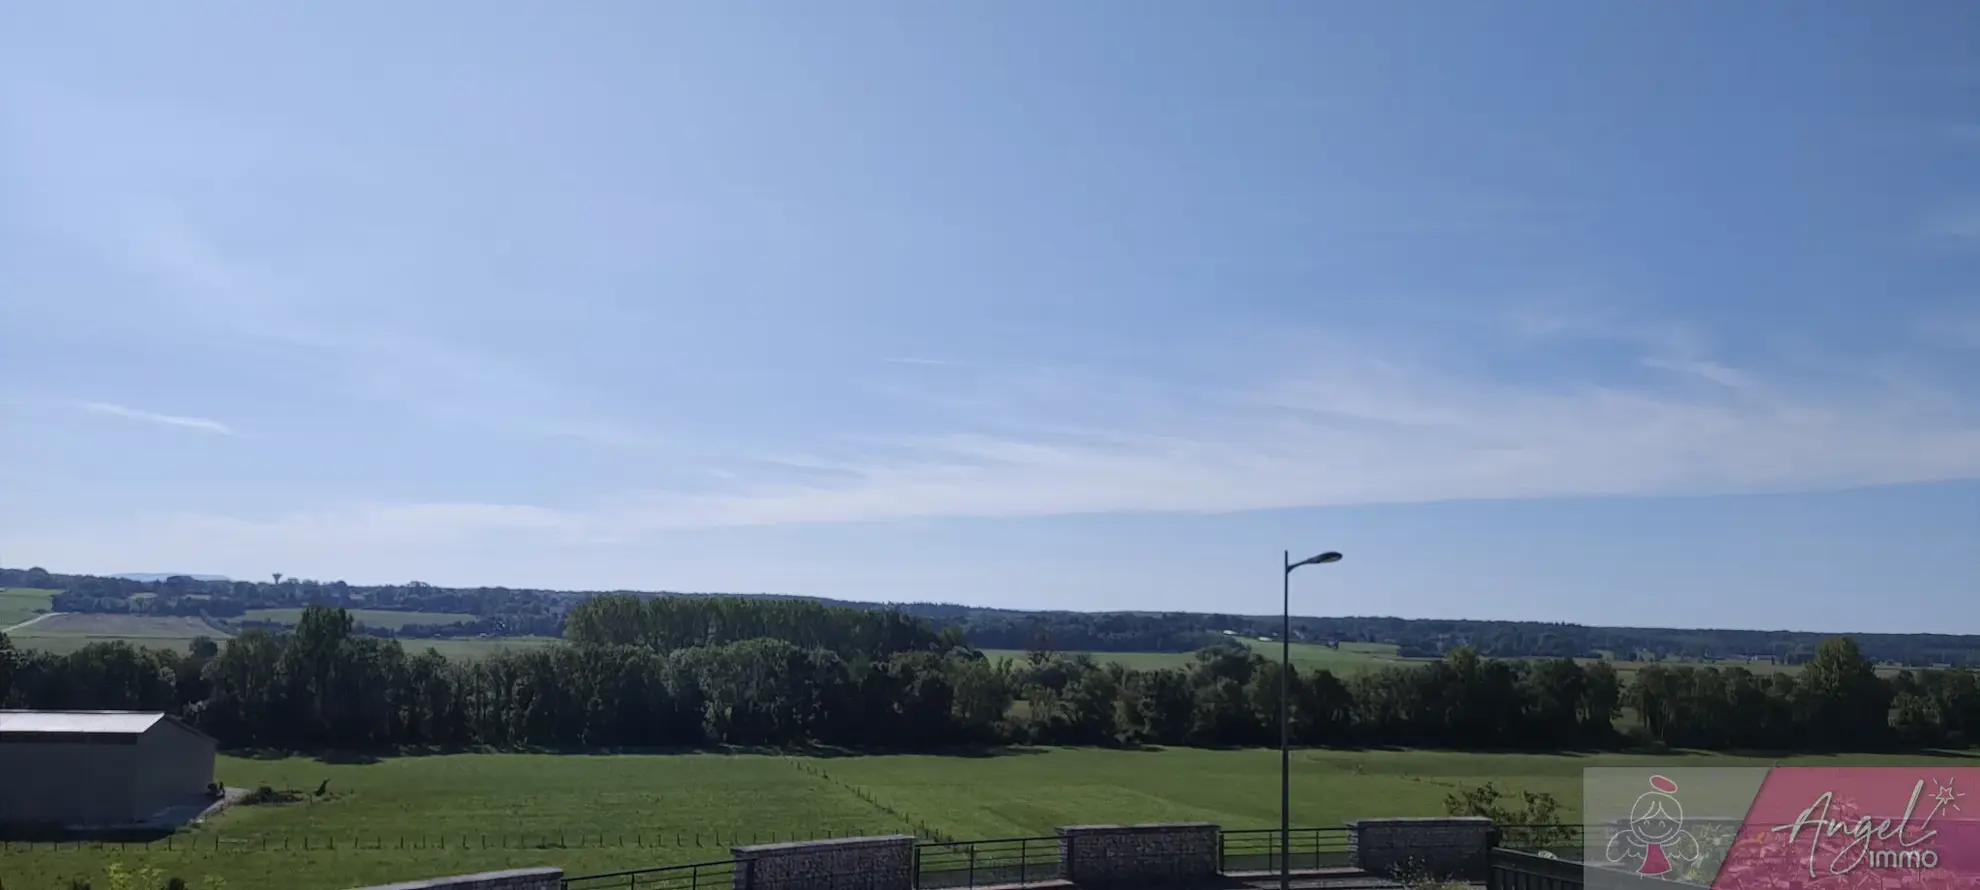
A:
<point x="98" y="722"/>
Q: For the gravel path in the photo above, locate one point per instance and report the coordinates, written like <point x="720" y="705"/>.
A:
<point x="36" y="619"/>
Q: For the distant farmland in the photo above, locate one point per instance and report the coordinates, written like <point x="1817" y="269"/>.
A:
<point x="69" y="632"/>
<point x="470" y="648"/>
<point x="379" y="618"/>
<point x="65" y="633"/>
<point x="18" y="604"/>
<point x="1353" y="658"/>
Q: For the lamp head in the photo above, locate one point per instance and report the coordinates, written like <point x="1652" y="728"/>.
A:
<point x="1327" y="557"/>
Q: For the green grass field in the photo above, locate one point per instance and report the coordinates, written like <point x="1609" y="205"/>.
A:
<point x="18" y="604"/>
<point x="68" y="632"/>
<point x="374" y="617"/>
<point x="612" y="812"/>
<point x="63" y="634"/>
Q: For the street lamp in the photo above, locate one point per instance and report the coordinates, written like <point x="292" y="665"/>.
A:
<point x="1285" y="713"/>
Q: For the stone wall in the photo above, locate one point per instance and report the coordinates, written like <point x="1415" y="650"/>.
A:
<point x="854" y="863"/>
<point x="514" y="879"/>
<point x="1097" y="855"/>
<point x="1454" y="847"/>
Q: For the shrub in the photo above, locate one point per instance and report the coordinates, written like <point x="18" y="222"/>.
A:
<point x="1533" y="823"/>
<point x="267" y="795"/>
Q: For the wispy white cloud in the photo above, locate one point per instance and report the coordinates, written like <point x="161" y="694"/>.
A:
<point x="393" y="363"/>
<point x="1704" y="369"/>
<point x="190" y="423"/>
<point x="1328" y="421"/>
<point x="1603" y="321"/>
<point x="142" y="199"/>
<point x="1336" y="427"/>
<point x="1366" y="433"/>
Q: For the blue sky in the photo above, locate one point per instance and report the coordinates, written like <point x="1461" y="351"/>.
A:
<point x="1652" y="313"/>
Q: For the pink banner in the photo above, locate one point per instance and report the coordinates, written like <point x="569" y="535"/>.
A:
<point x="1785" y="828"/>
<point x="1857" y="827"/>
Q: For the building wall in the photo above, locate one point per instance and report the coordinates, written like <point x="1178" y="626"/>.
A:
<point x="67" y="783"/>
<point x="177" y="766"/>
<point x="1172" y="852"/>
<point x="853" y="863"/>
<point x="1423" y="848"/>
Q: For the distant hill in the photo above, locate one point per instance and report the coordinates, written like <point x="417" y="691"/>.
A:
<point x="154" y="577"/>
<point x="519" y="612"/>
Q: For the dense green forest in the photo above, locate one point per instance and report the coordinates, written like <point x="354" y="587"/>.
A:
<point x="509" y="612"/>
<point x="650" y="672"/>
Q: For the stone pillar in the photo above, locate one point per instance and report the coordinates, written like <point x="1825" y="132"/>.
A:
<point x="513" y="879"/>
<point x="852" y="863"/>
<point x="1098" y="855"/>
<point x="1438" y="848"/>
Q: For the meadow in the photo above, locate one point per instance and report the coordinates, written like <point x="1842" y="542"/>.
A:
<point x="65" y="633"/>
<point x="600" y="813"/>
<point x="470" y="648"/>
<point x="457" y="648"/>
<point x="68" y="632"/>
<point x="18" y="604"/>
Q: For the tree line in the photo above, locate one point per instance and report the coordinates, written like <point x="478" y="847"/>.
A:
<point x="1431" y="638"/>
<point x="667" y="624"/>
<point x="701" y="672"/>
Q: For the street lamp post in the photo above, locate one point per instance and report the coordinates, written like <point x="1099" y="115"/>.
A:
<point x="1285" y="712"/>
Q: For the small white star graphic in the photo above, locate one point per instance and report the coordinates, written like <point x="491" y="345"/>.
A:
<point x="1945" y="796"/>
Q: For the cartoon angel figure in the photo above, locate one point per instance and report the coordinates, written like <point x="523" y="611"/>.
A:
<point x="1656" y="834"/>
